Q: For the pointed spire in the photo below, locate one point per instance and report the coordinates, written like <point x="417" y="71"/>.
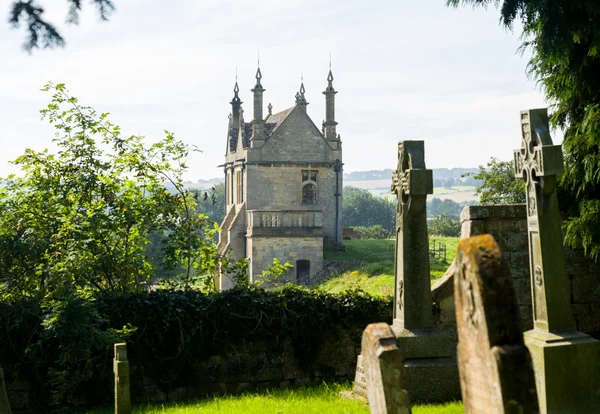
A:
<point x="258" y="78"/>
<point x="258" y="121"/>
<point x="330" y="124"/>
<point x="236" y="103"/>
<point x="300" y="98"/>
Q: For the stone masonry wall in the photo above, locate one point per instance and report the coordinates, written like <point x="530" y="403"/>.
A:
<point x="291" y="249"/>
<point x="508" y="225"/>
<point x="279" y="187"/>
<point x="242" y="367"/>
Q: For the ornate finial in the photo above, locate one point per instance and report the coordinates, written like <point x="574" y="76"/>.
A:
<point x="302" y="90"/>
<point x="270" y="108"/>
<point x="236" y="88"/>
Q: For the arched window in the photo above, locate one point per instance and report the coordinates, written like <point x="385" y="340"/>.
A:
<point x="309" y="193"/>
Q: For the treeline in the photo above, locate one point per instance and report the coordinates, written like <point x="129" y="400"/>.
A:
<point x="361" y="209"/>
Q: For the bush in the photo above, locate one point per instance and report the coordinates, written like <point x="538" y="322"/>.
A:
<point x="445" y="226"/>
<point x="69" y="356"/>
<point x="372" y="232"/>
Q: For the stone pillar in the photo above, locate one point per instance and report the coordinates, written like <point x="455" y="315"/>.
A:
<point x="4" y="404"/>
<point x="121" y="371"/>
<point x="384" y="371"/>
<point x="566" y="362"/>
<point x="496" y="371"/>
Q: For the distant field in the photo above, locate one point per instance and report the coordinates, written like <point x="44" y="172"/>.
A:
<point x="370" y="184"/>
<point x="381" y="188"/>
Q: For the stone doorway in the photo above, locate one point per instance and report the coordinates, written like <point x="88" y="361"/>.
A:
<point x="303" y="271"/>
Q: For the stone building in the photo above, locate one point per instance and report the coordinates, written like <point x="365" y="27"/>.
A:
<point x="283" y="180"/>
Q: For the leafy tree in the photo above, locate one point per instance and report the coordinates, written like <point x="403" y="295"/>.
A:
<point x="499" y="184"/>
<point x="42" y="33"/>
<point x="82" y="219"/>
<point x="376" y="232"/>
<point x="443" y="225"/>
<point x="361" y="208"/>
<point x="564" y="37"/>
<point x="212" y="203"/>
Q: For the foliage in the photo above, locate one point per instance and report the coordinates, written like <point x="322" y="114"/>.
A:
<point x="564" y="37"/>
<point x="361" y="208"/>
<point x="499" y="184"/>
<point x="272" y="276"/>
<point x="40" y="32"/>
<point x="176" y="331"/>
<point x="448" y="207"/>
<point x="82" y="218"/>
<point x="212" y="203"/>
<point x="372" y="232"/>
<point x="443" y="225"/>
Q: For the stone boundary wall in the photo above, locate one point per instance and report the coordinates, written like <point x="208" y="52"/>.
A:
<point x="242" y="367"/>
<point x="508" y="225"/>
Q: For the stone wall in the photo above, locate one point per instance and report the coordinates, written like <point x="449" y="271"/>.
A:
<point x="508" y="225"/>
<point x="279" y="187"/>
<point x="262" y="250"/>
<point x="242" y="367"/>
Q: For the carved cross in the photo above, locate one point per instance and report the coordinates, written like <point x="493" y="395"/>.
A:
<point x="411" y="183"/>
<point x="539" y="162"/>
<point x="411" y="178"/>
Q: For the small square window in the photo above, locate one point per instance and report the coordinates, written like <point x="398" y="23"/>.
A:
<point x="309" y="175"/>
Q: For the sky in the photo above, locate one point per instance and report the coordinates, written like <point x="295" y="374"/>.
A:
<point x="404" y="70"/>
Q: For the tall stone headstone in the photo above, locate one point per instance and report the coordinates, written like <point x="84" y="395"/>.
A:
<point x="496" y="372"/>
<point x="121" y="370"/>
<point x="430" y="354"/>
<point x="566" y="362"/>
<point x="384" y="371"/>
<point x="4" y="404"/>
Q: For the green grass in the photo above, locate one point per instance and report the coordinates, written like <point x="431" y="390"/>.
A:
<point x="376" y="274"/>
<point x="322" y="399"/>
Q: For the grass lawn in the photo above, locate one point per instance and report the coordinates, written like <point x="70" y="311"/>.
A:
<point x="318" y="400"/>
<point x="376" y="274"/>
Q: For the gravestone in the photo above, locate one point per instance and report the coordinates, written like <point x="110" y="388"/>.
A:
<point x="384" y="371"/>
<point x="4" y="404"/>
<point x="566" y="362"/>
<point x="121" y="370"/>
<point x="496" y="372"/>
<point x="430" y="354"/>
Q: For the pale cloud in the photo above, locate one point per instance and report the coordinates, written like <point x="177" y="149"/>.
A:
<point x="404" y="70"/>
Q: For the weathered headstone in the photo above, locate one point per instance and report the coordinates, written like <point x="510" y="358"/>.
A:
<point x="384" y="371"/>
<point x="4" y="404"/>
<point x="566" y="362"/>
<point x="430" y="354"/>
<point x="360" y="379"/>
<point x="121" y="370"/>
<point x="496" y="371"/>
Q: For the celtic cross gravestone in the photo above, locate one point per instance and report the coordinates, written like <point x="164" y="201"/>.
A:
<point x="566" y="362"/>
